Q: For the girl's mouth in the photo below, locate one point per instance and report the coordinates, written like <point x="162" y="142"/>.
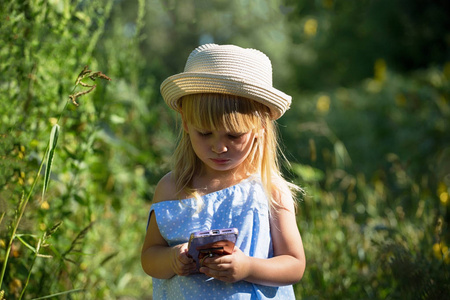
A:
<point x="219" y="161"/>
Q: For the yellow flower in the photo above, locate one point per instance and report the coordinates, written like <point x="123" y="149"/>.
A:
<point x="440" y="251"/>
<point x="83" y="266"/>
<point x="323" y="104"/>
<point x="310" y="27"/>
<point x="45" y="205"/>
<point x="442" y="193"/>
<point x="437" y="251"/>
<point x="444" y="198"/>
<point x="380" y="70"/>
<point x="53" y="121"/>
<point x="15" y="286"/>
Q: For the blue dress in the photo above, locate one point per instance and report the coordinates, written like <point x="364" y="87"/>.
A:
<point x="243" y="206"/>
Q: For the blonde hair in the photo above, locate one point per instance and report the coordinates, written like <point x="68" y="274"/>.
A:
<point x="234" y="114"/>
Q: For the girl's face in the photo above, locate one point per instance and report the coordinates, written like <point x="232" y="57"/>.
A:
<point x="219" y="149"/>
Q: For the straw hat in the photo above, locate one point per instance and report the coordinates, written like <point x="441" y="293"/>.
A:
<point x="227" y="69"/>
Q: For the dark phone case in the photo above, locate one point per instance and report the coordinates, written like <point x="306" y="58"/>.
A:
<point x="212" y="242"/>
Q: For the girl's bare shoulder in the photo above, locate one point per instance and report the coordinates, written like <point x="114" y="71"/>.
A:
<point x="165" y="189"/>
<point x="283" y="193"/>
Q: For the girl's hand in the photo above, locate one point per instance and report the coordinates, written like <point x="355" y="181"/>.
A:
<point x="227" y="268"/>
<point x="181" y="263"/>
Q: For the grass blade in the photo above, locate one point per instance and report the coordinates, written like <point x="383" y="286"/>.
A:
<point x="1" y="217"/>
<point x="60" y="294"/>
<point x="51" y="152"/>
<point x="19" y="237"/>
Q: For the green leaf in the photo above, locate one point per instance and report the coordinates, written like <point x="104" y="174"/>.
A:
<point x="54" y="134"/>
<point x="19" y="237"/>
<point x="341" y="155"/>
<point x="307" y="173"/>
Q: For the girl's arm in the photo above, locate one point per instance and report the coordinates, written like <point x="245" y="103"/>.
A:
<point x="286" y="267"/>
<point x="288" y="264"/>
<point x="157" y="258"/>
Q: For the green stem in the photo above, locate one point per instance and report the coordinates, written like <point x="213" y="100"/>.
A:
<point x="64" y="108"/>
<point x="22" y="205"/>
<point x="29" y="273"/>
<point x="60" y="294"/>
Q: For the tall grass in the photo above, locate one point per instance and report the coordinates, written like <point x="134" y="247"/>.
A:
<point x="92" y="178"/>
<point x="47" y="160"/>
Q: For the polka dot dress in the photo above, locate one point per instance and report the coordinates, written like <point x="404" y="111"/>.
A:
<point x="243" y="206"/>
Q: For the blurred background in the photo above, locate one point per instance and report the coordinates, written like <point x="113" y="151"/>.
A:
<point x="367" y="137"/>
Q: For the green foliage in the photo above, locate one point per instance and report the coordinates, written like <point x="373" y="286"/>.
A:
<point x="415" y="276"/>
<point x="368" y="138"/>
<point x="382" y="194"/>
<point x="46" y="45"/>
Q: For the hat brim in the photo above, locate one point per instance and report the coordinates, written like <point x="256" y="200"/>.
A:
<point x="179" y="85"/>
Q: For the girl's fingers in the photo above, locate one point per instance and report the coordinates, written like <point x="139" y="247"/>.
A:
<point x="187" y="264"/>
<point x="217" y="260"/>
<point x="217" y="274"/>
<point x="216" y="265"/>
<point x="186" y="269"/>
<point x="183" y="265"/>
<point x="227" y="268"/>
<point x="185" y="259"/>
<point x="183" y="256"/>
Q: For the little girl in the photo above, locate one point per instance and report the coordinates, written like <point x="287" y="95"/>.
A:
<point x="225" y="175"/>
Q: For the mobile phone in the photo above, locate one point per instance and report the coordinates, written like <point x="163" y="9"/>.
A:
<point x="203" y="244"/>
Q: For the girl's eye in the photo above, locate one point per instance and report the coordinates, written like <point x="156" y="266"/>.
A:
<point x="235" y="136"/>
<point x="204" y="133"/>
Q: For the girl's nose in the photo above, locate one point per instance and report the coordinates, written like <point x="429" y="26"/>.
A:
<point x="219" y="147"/>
